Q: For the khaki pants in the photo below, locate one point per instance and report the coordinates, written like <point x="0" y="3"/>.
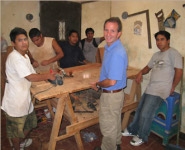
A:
<point x="111" y="105"/>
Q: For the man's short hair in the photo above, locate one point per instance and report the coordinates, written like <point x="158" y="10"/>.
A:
<point x="34" y="32"/>
<point x="115" y="20"/>
<point x="89" y="30"/>
<point x="16" y="31"/>
<point x="73" y="31"/>
<point x="164" y="33"/>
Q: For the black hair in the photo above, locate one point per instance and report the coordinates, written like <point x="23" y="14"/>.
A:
<point x="89" y="30"/>
<point x="16" y="31"/>
<point x="34" y="32"/>
<point x="164" y="33"/>
<point x="72" y="31"/>
<point x="116" y="20"/>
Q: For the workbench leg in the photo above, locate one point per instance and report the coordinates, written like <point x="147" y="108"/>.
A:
<point x="126" y="118"/>
<point x="79" y="141"/>
<point x="57" y="122"/>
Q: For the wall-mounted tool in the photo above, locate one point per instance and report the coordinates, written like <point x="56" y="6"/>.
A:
<point x="170" y="21"/>
<point x="125" y="15"/>
<point x="160" y="17"/>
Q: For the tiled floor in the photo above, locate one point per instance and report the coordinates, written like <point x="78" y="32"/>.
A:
<point x="41" y="136"/>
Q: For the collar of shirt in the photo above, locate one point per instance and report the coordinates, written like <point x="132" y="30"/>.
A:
<point x="108" y="48"/>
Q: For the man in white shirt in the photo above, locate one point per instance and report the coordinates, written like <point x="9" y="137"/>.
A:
<point x="16" y="104"/>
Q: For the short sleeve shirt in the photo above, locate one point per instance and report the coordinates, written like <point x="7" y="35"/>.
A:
<point x="114" y="65"/>
<point x="73" y="55"/>
<point x="17" y="99"/>
<point x="162" y="75"/>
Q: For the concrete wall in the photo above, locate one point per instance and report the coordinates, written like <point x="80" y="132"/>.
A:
<point x="13" y="13"/>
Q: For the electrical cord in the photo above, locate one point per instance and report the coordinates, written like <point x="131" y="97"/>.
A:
<point x="54" y="85"/>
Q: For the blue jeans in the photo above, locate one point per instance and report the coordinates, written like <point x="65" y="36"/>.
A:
<point x="144" y="116"/>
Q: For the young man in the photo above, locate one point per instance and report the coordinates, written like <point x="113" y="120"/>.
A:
<point x="73" y="55"/>
<point x="90" y="44"/>
<point x="46" y="51"/>
<point x="113" y="78"/>
<point x="17" y="105"/>
<point x="166" y="66"/>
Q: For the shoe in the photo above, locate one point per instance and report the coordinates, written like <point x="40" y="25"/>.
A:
<point x="97" y="148"/>
<point x="126" y="133"/>
<point x="118" y="147"/>
<point x="26" y="143"/>
<point x="136" y="141"/>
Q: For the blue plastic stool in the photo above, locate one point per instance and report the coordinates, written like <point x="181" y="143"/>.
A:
<point x="165" y="123"/>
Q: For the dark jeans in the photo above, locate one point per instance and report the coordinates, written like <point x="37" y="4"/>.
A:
<point x="144" y="116"/>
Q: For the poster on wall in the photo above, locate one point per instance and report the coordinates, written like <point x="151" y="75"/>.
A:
<point x="137" y="27"/>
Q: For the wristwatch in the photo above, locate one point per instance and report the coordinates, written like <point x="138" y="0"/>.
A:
<point x="98" y="86"/>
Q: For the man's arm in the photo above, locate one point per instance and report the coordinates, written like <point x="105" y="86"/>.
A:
<point x="40" y="77"/>
<point x="102" y="39"/>
<point x="86" y="62"/>
<point x="32" y="60"/>
<point x="58" y="51"/>
<point x="177" y="78"/>
<point x="105" y="83"/>
<point x="139" y="76"/>
<point x="81" y="57"/>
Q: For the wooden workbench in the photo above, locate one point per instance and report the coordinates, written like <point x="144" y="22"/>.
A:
<point x="58" y="96"/>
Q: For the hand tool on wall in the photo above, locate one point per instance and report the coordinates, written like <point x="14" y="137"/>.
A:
<point x="160" y="17"/>
<point x="125" y="15"/>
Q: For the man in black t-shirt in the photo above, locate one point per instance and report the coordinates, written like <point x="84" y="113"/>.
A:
<point x="73" y="55"/>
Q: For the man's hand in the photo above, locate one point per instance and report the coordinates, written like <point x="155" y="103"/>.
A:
<point x="44" y="63"/>
<point x="172" y="90"/>
<point x="51" y="76"/>
<point x="139" y="78"/>
<point x="35" y="64"/>
<point x="93" y="86"/>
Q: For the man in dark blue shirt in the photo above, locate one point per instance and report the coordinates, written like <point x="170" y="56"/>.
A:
<point x="73" y="55"/>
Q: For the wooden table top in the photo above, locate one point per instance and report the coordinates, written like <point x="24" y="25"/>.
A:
<point x="82" y="77"/>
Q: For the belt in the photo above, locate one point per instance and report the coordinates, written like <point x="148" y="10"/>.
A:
<point x="113" y="91"/>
